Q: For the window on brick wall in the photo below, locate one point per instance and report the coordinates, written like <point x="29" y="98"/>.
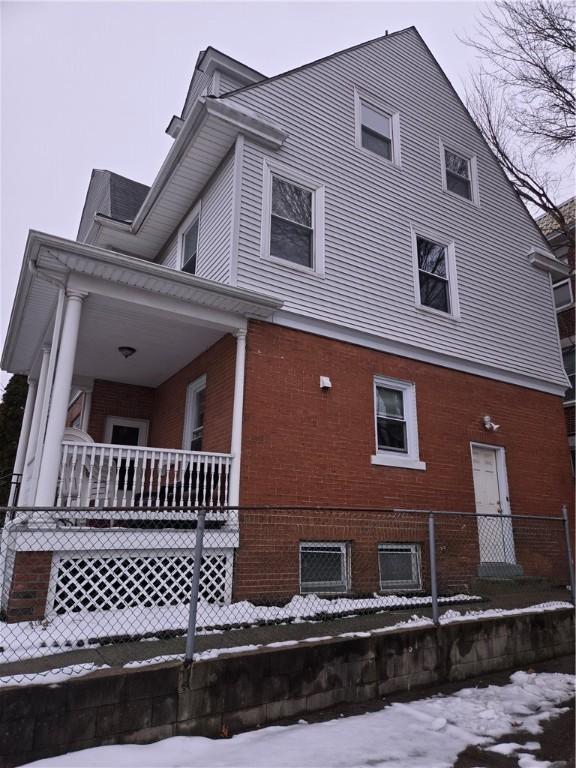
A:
<point x="396" y="424"/>
<point x="399" y="566"/>
<point x="324" y="567"/>
<point x="194" y="416"/>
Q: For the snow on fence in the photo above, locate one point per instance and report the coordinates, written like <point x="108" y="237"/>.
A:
<point x="86" y="577"/>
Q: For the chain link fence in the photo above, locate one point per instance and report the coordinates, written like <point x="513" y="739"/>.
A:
<point x="110" y="585"/>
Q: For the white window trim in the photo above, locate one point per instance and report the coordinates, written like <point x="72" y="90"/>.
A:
<point x="473" y="166"/>
<point x="195" y="213"/>
<point x="391" y="586"/>
<point x="393" y="115"/>
<point x="121" y="421"/>
<point x="427" y="234"/>
<point x="190" y="409"/>
<point x="570" y="304"/>
<point x="317" y="190"/>
<point x="344" y="548"/>
<point x="410" y="459"/>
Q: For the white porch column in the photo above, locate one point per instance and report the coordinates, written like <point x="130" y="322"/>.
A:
<point x="236" y="441"/>
<point x="50" y="464"/>
<point x="28" y="468"/>
<point x="24" y="436"/>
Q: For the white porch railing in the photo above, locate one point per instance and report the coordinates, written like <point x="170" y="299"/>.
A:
<point x="101" y="475"/>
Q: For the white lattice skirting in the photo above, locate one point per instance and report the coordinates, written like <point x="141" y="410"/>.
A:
<point x="113" y="580"/>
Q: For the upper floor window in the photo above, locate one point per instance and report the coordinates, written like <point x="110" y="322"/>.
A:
<point x="563" y="294"/>
<point x="396" y="426"/>
<point x="459" y="173"/>
<point x="568" y="358"/>
<point x="376" y="131"/>
<point x="188" y="242"/>
<point x="293" y="220"/>
<point x="435" y="269"/>
<point x="377" y="128"/>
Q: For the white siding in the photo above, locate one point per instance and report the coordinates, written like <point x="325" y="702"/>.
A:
<point x="215" y="235"/>
<point x="216" y="225"/>
<point x="507" y="319"/>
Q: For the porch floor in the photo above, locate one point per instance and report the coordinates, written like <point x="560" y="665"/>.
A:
<point x="122" y="653"/>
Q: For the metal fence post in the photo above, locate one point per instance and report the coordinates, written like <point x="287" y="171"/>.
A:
<point x="195" y="587"/>
<point x="433" y="574"/>
<point x="569" y="552"/>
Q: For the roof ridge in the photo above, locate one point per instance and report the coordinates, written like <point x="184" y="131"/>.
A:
<point x="319" y="61"/>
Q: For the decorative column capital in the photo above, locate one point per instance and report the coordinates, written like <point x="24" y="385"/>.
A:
<point x="78" y="295"/>
<point x="241" y="333"/>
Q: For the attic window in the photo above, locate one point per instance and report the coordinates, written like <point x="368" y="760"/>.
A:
<point x="459" y="176"/>
<point x="376" y="131"/>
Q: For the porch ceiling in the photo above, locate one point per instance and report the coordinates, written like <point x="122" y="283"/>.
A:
<point x="164" y="343"/>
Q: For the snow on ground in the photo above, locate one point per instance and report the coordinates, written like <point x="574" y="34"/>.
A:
<point x="428" y="733"/>
<point x="62" y="673"/>
<point x="25" y="640"/>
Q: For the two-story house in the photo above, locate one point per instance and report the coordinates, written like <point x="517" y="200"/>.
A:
<point x="329" y="296"/>
<point x="564" y="291"/>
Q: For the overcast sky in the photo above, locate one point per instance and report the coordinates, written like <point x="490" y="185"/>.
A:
<point x="93" y="85"/>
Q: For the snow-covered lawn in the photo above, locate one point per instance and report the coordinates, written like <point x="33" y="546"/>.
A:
<point x="428" y="733"/>
<point x="25" y="640"/>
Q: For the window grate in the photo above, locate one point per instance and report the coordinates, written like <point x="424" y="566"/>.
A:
<point x="323" y="567"/>
<point x="399" y="566"/>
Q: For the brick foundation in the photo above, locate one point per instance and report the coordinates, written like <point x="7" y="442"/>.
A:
<point x="29" y="588"/>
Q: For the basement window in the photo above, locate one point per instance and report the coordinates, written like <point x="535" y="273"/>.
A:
<point x="399" y="566"/>
<point x="324" y="567"/>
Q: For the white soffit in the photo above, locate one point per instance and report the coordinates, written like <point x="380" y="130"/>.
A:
<point x="204" y="140"/>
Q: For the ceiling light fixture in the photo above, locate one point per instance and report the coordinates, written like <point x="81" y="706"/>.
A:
<point x="126" y="351"/>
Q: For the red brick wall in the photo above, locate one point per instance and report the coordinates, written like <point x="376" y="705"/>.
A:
<point x="29" y="588"/>
<point x="109" y="398"/>
<point x="170" y="399"/>
<point x="305" y="446"/>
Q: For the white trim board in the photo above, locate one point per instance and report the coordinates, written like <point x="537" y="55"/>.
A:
<point x="362" y="339"/>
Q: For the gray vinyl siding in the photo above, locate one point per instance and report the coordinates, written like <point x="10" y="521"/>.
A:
<point x="229" y="83"/>
<point x="216" y="225"/>
<point x="507" y="318"/>
<point x="97" y="200"/>
<point x="200" y="82"/>
<point x="215" y="235"/>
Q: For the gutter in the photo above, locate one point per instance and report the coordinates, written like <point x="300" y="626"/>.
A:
<point x="250" y="122"/>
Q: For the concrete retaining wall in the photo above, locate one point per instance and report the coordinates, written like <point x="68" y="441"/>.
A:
<point x="232" y="693"/>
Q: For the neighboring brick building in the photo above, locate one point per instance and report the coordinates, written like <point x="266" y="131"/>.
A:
<point x="564" y="293"/>
<point x="330" y="296"/>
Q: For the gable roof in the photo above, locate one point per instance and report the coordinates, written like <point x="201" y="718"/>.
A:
<point x="113" y="195"/>
<point x="319" y="61"/>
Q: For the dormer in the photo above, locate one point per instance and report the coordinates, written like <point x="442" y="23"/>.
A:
<point x="215" y="74"/>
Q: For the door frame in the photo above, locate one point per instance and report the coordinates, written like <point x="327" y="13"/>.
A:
<point x="503" y="490"/>
<point x="123" y="421"/>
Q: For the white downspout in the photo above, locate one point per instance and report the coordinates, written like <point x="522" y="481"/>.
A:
<point x="236" y="441"/>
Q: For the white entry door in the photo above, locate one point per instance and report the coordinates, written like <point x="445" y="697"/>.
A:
<point x="495" y="534"/>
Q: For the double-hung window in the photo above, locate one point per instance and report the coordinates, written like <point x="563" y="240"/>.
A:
<point x="377" y="127"/>
<point x="435" y="275"/>
<point x="396" y="424"/>
<point x="293" y="220"/>
<point x="291" y="230"/>
<point x="376" y="131"/>
<point x="459" y="173"/>
<point x="194" y="415"/>
<point x="188" y="242"/>
<point x="563" y="294"/>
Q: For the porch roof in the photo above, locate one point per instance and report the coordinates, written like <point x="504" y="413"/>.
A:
<point x="52" y="262"/>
